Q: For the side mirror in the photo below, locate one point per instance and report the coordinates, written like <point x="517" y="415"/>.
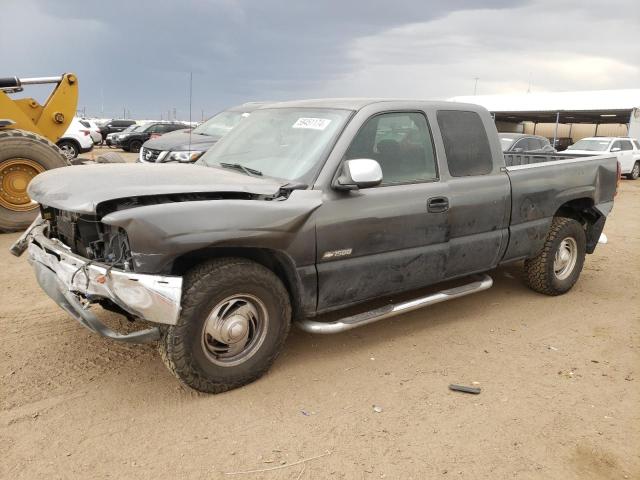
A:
<point x="358" y="173"/>
<point x="615" y="149"/>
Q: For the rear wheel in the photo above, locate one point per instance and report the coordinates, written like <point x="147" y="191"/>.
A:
<point x="557" y="267"/>
<point x="23" y="155"/>
<point x="69" y="149"/>
<point x="635" y="172"/>
<point x="235" y="317"/>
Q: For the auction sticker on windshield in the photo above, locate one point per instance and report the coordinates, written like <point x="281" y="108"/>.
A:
<point x="312" y="123"/>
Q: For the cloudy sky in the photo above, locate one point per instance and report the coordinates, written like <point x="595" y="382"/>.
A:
<point x="138" y="54"/>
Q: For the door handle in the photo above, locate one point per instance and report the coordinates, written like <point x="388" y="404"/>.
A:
<point x="437" y="204"/>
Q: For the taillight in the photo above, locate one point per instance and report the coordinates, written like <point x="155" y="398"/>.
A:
<point x="86" y="132"/>
<point x="618" y="177"/>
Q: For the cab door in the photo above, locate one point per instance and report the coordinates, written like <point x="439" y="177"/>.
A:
<point x="624" y="150"/>
<point x="480" y="191"/>
<point x="389" y="238"/>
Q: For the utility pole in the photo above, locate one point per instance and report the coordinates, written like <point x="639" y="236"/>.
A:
<point x="475" y="85"/>
<point x="124" y="112"/>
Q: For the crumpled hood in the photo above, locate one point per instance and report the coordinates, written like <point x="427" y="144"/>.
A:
<point x="179" y="140"/>
<point x="81" y="188"/>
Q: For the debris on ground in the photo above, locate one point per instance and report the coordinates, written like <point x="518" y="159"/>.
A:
<point x="377" y="409"/>
<point x="465" y="389"/>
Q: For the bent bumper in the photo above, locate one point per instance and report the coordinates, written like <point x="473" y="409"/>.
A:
<point x="73" y="282"/>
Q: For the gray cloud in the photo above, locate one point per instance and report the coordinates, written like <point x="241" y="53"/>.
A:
<point x="137" y="54"/>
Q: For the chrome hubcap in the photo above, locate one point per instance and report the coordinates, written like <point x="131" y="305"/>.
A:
<point x="235" y="329"/>
<point x="68" y="152"/>
<point x="565" y="259"/>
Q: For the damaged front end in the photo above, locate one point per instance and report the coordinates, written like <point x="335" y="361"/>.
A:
<point x="80" y="261"/>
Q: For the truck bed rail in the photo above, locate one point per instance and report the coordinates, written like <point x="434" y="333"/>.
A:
<point x="514" y="159"/>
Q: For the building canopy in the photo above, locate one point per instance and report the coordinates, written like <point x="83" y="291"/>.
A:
<point x="597" y="106"/>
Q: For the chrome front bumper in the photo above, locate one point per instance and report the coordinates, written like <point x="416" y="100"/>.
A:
<point x="74" y="282"/>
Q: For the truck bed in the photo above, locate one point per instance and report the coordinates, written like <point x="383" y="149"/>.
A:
<point x="543" y="183"/>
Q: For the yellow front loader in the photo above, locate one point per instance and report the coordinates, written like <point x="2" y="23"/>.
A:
<point x="28" y="132"/>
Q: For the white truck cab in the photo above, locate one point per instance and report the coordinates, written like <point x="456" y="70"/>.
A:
<point x="626" y="149"/>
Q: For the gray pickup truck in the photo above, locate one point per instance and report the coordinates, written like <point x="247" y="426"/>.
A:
<point x="319" y="213"/>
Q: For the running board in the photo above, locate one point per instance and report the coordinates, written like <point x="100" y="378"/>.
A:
<point x="348" y="323"/>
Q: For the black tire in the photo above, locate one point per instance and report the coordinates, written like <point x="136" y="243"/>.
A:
<point x="124" y="148"/>
<point x="206" y="287"/>
<point x="635" y="172"/>
<point x="20" y="144"/>
<point x="541" y="274"/>
<point x="69" y="149"/>
<point x="135" y="146"/>
<point x="109" y="157"/>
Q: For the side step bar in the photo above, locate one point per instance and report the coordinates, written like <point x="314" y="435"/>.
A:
<point x="348" y="323"/>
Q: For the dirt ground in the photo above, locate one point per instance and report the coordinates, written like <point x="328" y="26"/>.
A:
<point x="560" y="381"/>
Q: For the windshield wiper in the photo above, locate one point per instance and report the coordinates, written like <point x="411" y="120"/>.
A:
<point x="242" y="168"/>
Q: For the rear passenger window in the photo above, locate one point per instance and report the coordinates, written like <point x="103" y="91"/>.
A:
<point x="535" y="144"/>
<point x="401" y="143"/>
<point x="465" y="143"/>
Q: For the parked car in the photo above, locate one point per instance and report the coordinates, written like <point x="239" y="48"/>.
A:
<point x="307" y="208"/>
<point x="132" y="141"/>
<point x="187" y="146"/>
<point x="626" y="150"/>
<point x="115" y="126"/>
<point x="524" y="143"/>
<point x="112" y="139"/>
<point x="561" y="143"/>
<point x="76" y="140"/>
<point x="94" y="130"/>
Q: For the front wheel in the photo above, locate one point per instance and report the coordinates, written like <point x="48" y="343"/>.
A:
<point x="235" y="317"/>
<point x="635" y="172"/>
<point x="135" y="146"/>
<point x="557" y="267"/>
<point x="23" y="155"/>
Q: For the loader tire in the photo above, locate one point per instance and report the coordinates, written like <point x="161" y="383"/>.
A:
<point x="23" y="155"/>
<point x="235" y="317"/>
<point x="556" y="269"/>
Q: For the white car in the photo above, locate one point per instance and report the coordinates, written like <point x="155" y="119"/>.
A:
<point x="77" y="139"/>
<point x="94" y="130"/>
<point x="626" y="149"/>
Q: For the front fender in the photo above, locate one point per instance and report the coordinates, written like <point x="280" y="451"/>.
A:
<point x="162" y="232"/>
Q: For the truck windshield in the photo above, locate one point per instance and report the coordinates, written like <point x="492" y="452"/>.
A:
<point x="132" y="128"/>
<point x="592" y="145"/>
<point x="285" y="143"/>
<point x="221" y="124"/>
